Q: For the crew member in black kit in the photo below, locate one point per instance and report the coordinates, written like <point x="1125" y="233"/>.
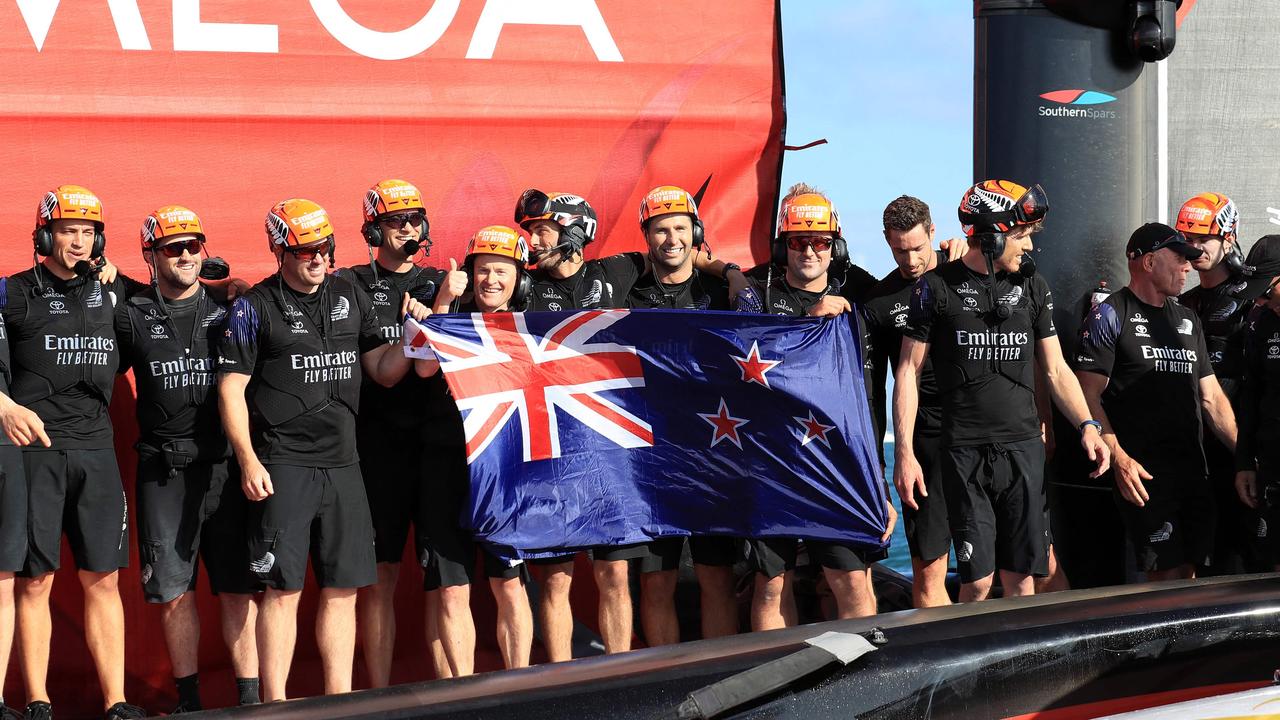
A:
<point x="1145" y="370"/>
<point x="61" y="323"/>
<point x="291" y="363"/>
<point x="190" y="504"/>
<point x="389" y="432"/>
<point x="987" y="322"/>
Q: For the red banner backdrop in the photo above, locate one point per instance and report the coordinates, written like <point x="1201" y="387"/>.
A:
<point x="228" y="106"/>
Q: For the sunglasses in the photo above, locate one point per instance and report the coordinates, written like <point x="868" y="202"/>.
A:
<point x="175" y="249"/>
<point x="399" y="220"/>
<point x="819" y="244"/>
<point x="307" y="252"/>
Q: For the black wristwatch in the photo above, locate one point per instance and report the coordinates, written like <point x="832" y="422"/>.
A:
<point x="1087" y="423"/>
<point x="731" y="266"/>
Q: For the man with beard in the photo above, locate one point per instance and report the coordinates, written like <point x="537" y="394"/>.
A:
<point x="1222" y="300"/>
<point x="986" y="321"/>
<point x="560" y="226"/>
<point x="189" y="502"/>
<point x="808" y="245"/>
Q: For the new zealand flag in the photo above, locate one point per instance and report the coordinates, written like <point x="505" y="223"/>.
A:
<point x="611" y="427"/>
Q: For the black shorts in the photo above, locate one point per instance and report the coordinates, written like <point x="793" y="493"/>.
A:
<point x="391" y="464"/>
<point x="1176" y="525"/>
<point x="614" y="553"/>
<point x="773" y="556"/>
<point x="199" y="511"/>
<point x="995" y="504"/>
<point x="13" y="509"/>
<point x="77" y="492"/>
<point x="928" y="533"/>
<point x="321" y="512"/>
<point x="713" y="550"/>
<point x="447" y="551"/>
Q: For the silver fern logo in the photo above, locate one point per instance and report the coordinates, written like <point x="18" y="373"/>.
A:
<point x="48" y="204"/>
<point x="341" y="310"/>
<point x="277" y="230"/>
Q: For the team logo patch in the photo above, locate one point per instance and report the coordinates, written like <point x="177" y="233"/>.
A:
<point x="147" y="572"/>
<point x="1185" y="327"/>
<point x="964" y="551"/>
<point x="1164" y="533"/>
<point x="593" y="298"/>
<point x="263" y="565"/>
<point x="95" y="296"/>
<point x="341" y="310"/>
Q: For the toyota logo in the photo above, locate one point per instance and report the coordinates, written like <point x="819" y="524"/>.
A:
<point x="57" y="305"/>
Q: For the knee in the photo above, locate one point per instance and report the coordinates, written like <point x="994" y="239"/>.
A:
<point x="557" y="584"/>
<point x="658" y="586"/>
<point x="455" y="599"/>
<point x="509" y="592"/>
<point x="281" y="599"/>
<point x="612" y="576"/>
<point x="100" y="584"/>
<point x="35" y="587"/>
<point x="769" y="590"/>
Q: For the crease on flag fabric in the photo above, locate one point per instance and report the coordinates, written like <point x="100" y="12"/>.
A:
<point x="612" y="427"/>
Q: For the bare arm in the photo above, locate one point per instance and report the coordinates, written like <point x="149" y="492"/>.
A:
<point x="234" y="410"/>
<point x="703" y="262"/>
<point x="1066" y="392"/>
<point x="907" y="473"/>
<point x="1217" y="410"/>
<point x="1129" y="473"/>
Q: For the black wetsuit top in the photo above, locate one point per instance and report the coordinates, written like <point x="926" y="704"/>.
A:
<point x="1154" y="358"/>
<point x="1258" y="413"/>
<point x="984" y="365"/>
<point x="601" y="283"/>
<point x="171" y="350"/>
<point x="64" y="353"/>
<point x="414" y="401"/>
<point x="303" y="353"/>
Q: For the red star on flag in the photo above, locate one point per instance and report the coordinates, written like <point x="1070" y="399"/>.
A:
<point x="753" y="368"/>
<point x="726" y="425"/>
<point x="814" y="430"/>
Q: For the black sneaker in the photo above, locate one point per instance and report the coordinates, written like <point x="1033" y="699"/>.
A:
<point x="39" y="710"/>
<point x="125" y="711"/>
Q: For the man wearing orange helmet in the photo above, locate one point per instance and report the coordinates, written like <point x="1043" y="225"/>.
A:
<point x="189" y="503"/>
<point x="399" y="430"/>
<point x="1226" y="292"/>
<point x="808" y="244"/>
<point x="987" y="322"/>
<point x="674" y="233"/>
<point x="495" y="261"/>
<point x="291" y="362"/>
<point x="61" y="317"/>
<point x="560" y="226"/>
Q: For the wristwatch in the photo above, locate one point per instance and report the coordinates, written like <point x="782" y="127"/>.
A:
<point x="728" y="267"/>
<point x="1094" y="423"/>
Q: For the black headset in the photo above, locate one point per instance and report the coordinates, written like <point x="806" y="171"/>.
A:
<point x="43" y="239"/>
<point x="372" y="233"/>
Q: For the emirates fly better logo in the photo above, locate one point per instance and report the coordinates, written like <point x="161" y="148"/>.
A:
<point x="1076" y="104"/>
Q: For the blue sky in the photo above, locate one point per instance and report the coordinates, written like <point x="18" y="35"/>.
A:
<point x="890" y="86"/>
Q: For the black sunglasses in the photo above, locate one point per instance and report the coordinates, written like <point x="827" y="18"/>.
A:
<point x="399" y="220"/>
<point x="307" y="252"/>
<point x="175" y="249"/>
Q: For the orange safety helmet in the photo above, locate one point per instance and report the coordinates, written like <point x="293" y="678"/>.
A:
<point x="498" y="240"/>
<point x="391" y="196"/>
<point x="669" y="199"/>
<point x="296" y="221"/>
<point x="167" y="222"/>
<point x="68" y="202"/>
<point x="1209" y="214"/>
<point x="808" y="212"/>
<point x="1000" y="206"/>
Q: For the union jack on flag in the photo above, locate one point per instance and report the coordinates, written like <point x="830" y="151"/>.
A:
<point x="508" y="372"/>
<point x="613" y="427"/>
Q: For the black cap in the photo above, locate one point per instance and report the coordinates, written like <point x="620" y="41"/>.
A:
<point x="1264" y="256"/>
<point x="1154" y="236"/>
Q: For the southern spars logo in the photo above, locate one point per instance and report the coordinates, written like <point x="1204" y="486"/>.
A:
<point x="1076" y="103"/>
